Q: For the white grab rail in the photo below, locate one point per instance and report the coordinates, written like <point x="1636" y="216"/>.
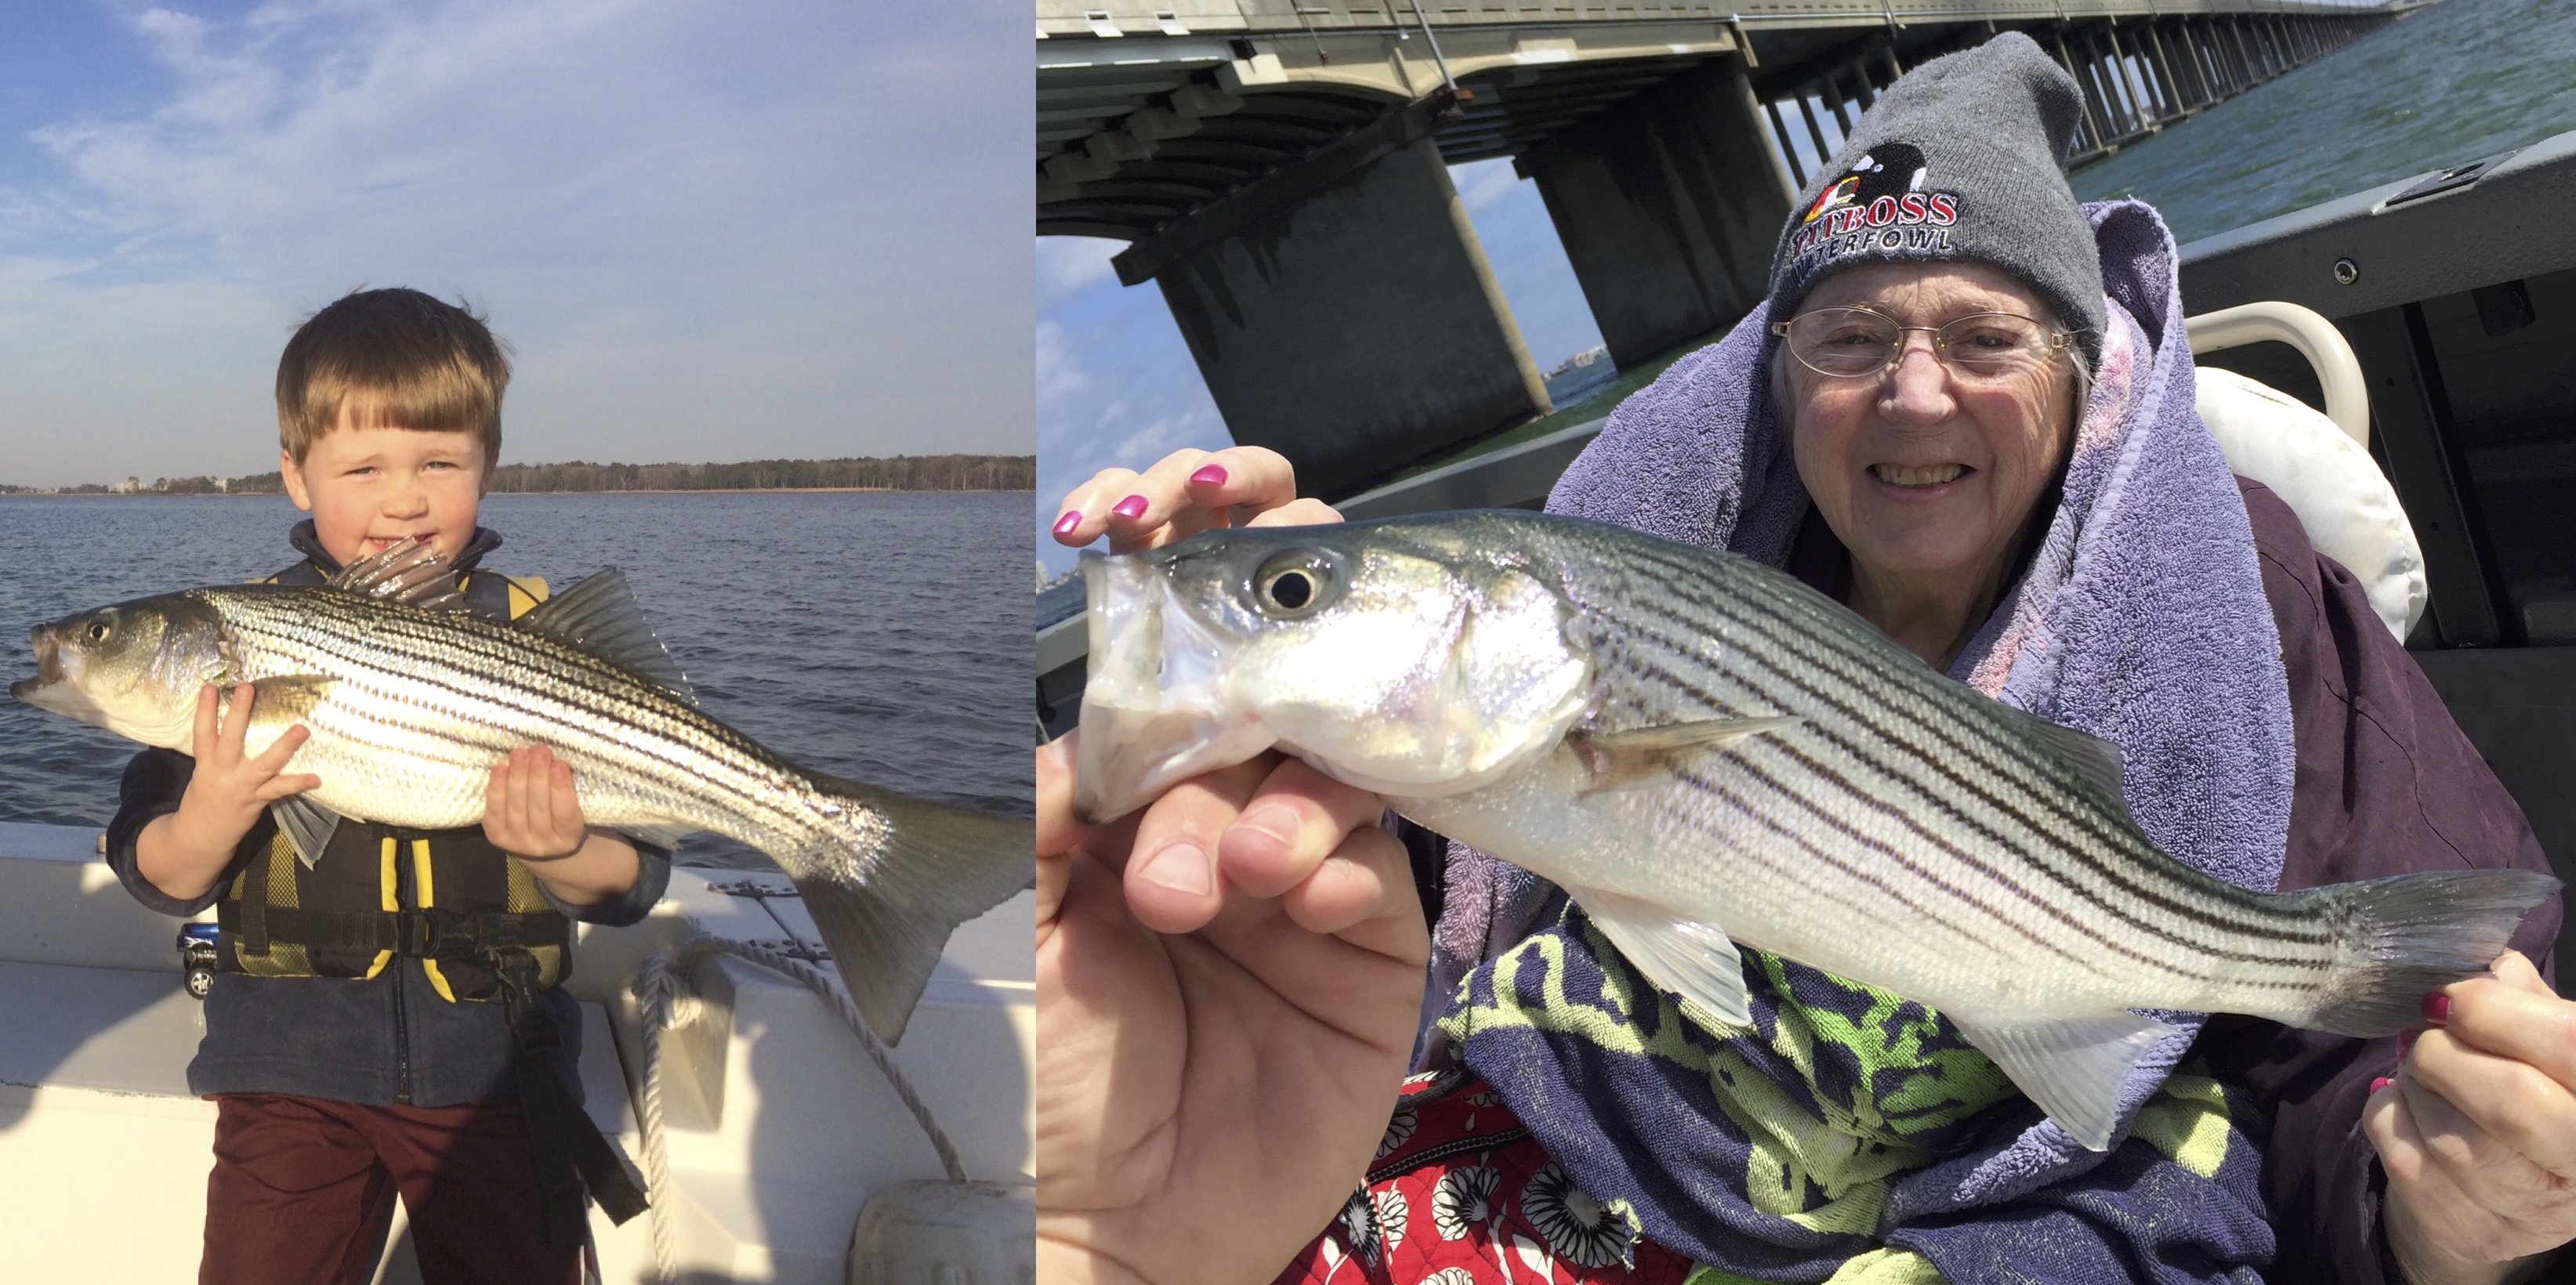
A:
<point x="2338" y="371"/>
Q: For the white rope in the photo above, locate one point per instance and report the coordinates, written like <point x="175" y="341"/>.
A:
<point x="656" y="996"/>
<point x="666" y="1003"/>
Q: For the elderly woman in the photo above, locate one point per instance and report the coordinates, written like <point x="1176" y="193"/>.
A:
<point x="1967" y="414"/>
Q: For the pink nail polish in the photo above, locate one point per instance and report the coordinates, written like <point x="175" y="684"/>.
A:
<point x="1065" y="525"/>
<point x="2378" y="1084"/>
<point x="2437" y="1009"/>
<point x="1131" y="508"/>
<point x="1212" y="475"/>
<point x="2405" y="1041"/>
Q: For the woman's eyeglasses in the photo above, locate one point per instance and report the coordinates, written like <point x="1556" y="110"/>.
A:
<point x="1855" y="343"/>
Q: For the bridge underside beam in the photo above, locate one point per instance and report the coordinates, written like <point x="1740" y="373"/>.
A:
<point x="1668" y="206"/>
<point x="1352" y="327"/>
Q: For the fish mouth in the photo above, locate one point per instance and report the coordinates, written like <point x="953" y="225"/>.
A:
<point x="1154" y="707"/>
<point x="49" y="661"/>
<point x="51" y="689"/>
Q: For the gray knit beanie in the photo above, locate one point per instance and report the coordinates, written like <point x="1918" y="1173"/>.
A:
<point x="1958" y="160"/>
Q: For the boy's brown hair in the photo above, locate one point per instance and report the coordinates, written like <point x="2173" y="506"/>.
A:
<point x="392" y="359"/>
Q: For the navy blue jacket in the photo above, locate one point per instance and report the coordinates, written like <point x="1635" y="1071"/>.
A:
<point x="380" y="1041"/>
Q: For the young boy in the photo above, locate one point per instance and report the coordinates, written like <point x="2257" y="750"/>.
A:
<point x="345" y="1073"/>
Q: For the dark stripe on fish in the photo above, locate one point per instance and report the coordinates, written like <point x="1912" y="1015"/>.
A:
<point x="2261" y="918"/>
<point x="2124" y="879"/>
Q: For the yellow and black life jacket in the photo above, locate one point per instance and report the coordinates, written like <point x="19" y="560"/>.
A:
<point x="445" y="897"/>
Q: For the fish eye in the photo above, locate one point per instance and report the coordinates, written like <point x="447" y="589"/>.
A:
<point x="98" y="631"/>
<point x="1292" y="585"/>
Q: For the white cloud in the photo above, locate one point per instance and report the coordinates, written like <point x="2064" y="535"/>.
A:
<point x="1069" y="265"/>
<point x="1060" y="376"/>
<point x="707" y="236"/>
<point x="1484" y="184"/>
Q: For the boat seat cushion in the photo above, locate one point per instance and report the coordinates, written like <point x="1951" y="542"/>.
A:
<point x="2328" y="479"/>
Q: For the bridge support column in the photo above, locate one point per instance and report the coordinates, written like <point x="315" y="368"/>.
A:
<point x="1343" y="313"/>
<point x="1669" y="206"/>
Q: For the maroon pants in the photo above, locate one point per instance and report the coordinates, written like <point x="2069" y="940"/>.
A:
<point x="303" y="1191"/>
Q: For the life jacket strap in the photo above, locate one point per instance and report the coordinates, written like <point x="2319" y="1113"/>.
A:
<point x="427" y="934"/>
<point x="570" y="1152"/>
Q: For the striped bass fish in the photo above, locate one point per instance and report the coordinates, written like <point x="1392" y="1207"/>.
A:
<point x="1702" y="751"/>
<point x="412" y="702"/>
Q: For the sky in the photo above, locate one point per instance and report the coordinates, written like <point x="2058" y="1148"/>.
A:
<point x="1117" y="388"/>
<point x="706" y="235"/>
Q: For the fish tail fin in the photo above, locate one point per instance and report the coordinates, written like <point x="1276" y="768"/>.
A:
<point x="2407" y="935"/>
<point x="940" y="867"/>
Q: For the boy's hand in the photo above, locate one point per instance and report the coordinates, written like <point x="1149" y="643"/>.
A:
<point x="531" y="812"/>
<point x="230" y="788"/>
<point x="183" y="853"/>
<point x="530" y="809"/>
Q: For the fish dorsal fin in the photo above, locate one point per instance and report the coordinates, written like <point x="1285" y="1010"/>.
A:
<point x="2096" y="759"/>
<point x="2074" y="1068"/>
<point x="1640" y="754"/>
<point x="306" y="824"/>
<point x="1680" y="956"/>
<point x="410" y="573"/>
<point x="600" y="615"/>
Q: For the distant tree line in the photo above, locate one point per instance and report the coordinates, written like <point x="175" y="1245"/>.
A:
<point x="900" y="473"/>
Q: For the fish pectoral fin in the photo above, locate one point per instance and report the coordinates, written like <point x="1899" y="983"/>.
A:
<point x="1683" y="957"/>
<point x="307" y="824"/>
<point x="600" y="615"/>
<point x="410" y="573"/>
<point x="1639" y="754"/>
<point x="2096" y="759"/>
<point x="2073" y="1068"/>
<point x="287" y="698"/>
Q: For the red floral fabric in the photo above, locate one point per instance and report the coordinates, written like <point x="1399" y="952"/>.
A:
<point x="1460" y="1195"/>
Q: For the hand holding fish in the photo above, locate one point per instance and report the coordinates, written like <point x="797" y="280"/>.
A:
<point x="1184" y="493"/>
<point x="1235" y="1077"/>
<point x="2477" y="1133"/>
<point x="531" y="810"/>
<point x="183" y="853"/>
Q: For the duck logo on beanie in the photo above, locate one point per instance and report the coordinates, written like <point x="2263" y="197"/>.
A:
<point x="1881" y="199"/>
<point x="1956" y="161"/>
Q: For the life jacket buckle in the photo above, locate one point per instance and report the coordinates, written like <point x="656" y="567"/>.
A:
<point x="415" y="933"/>
<point x="532" y="1026"/>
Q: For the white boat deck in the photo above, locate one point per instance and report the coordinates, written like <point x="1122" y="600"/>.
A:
<point x="779" y="1129"/>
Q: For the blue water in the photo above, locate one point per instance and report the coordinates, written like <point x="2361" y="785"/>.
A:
<point x="878" y="637"/>
<point x="2440" y="87"/>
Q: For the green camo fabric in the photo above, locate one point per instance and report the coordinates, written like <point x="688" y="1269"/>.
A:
<point x="1836" y="1091"/>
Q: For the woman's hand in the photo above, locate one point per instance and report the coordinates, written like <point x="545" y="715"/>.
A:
<point x="1207" y="1099"/>
<point x="1184" y="494"/>
<point x="2477" y="1133"/>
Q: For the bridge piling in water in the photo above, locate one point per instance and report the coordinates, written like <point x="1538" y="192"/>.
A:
<point x="1279" y="166"/>
<point x="1668" y="205"/>
<point x="1356" y="308"/>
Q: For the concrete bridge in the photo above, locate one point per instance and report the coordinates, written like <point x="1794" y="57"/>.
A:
<point x="1279" y="166"/>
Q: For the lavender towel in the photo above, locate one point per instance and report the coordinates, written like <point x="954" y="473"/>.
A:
<point x="2141" y="620"/>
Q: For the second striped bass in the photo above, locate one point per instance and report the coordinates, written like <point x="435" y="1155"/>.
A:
<point x="1703" y="751"/>
<point x="412" y="702"/>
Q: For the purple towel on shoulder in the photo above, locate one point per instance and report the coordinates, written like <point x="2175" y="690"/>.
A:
<point x="2142" y="621"/>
